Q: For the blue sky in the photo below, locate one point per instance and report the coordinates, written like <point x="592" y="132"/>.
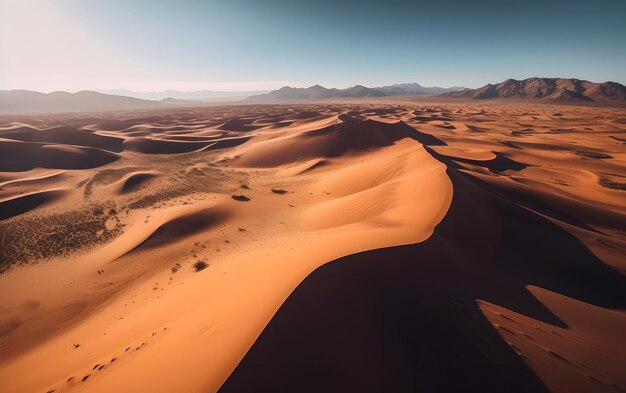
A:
<point x="145" y="45"/>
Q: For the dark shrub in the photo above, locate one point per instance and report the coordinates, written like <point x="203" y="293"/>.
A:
<point x="200" y="265"/>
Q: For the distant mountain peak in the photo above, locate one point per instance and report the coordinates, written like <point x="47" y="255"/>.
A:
<point x="547" y="89"/>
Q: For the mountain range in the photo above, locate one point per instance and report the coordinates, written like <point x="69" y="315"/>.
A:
<point x="26" y="101"/>
<point x="320" y="92"/>
<point x="181" y="95"/>
<point x="547" y="89"/>
<point x="538" y="89"/>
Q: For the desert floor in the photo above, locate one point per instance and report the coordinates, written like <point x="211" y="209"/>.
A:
<point x="367" y="246"/>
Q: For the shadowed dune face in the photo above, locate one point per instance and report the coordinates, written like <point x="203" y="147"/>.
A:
<point x="185" y="226"/>
<point x="382" y="246"/>
<point x="19" y="205"/>
<point x="406" y="318"/>
<point x="134" y="181"/>
<point x="59" y="156"/>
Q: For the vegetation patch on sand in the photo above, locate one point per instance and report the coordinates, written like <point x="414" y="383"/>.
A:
<point x="26" y="239"/>
<point x="200" y="265"/>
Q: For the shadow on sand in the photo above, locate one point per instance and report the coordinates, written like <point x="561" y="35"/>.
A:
<point x="405" y="319"/>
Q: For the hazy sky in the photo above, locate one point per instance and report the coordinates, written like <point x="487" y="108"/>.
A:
<point x="71" y="45"/>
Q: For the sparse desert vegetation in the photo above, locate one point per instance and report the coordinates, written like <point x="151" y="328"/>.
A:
<point x="240" y="198"/>
<point x="200" y="265"/>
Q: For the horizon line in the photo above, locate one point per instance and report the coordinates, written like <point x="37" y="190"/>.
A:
<point x="250" y="88"/>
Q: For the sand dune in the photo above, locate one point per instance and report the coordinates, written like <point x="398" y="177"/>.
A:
<point x="154" y="146"/>
<point x="19" y="205"/>
<point x="65" y="135"/>
<point x="185" y="226"/>
<point x="16" y="181"/>
<point x="59" y="156"/>
<point x="134" y="181"/>
<point x="344" y="136"/>
<point x="365" y="246"/>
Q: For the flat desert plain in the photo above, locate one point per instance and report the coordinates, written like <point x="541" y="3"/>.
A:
<point x="315" y="247"/>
